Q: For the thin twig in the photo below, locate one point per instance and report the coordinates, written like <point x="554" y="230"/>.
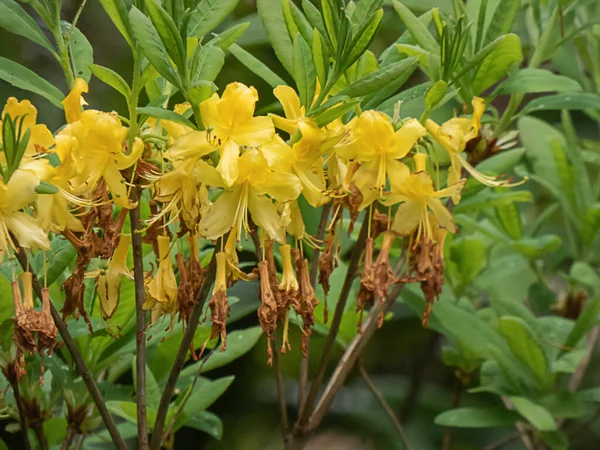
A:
<point x="348" y="360"/>
<point x="384" y="404"/>
<point x="22" y="415"/>
<point x="357" y="251"/>
<point x="38" y="429"/>
<point x="314" y="266"/>
<point x="66" y="444"/>
<point x="185" y="400"/>
<point x="447" y="440"/>
<point x="504" y="441"/>
<point x="82" y="369"/>
<point x="527" y="442"/>
<point x="187" y="339"/>
<point x="140" y="321"/>
<point x="280" y="391"/>
<point x="577" y="377"/>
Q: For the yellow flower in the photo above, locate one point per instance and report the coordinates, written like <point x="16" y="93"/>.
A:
<point x="230" y="119"/>
<point x="16" y="195"/>
<point x="418" y="196"/>
<point x="74" y="101"/>
<point x="377" y="147"/>
<point x="40" y="138"/>
<point x="99" y="153"/>
<point x="294" y="113"/>
<point x="162" y="287"/>
<point x="108" y="284"/>
<point x="254" y="180"/>
<point x="454" y="135"/>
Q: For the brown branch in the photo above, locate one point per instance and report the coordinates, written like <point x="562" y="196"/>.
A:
<point x="314" y="268"/>
<point x="188" y="337"/>
<point x="140" y="322"/>
<point x="281" y="397"/>
<point x="384" y="404"/>
<point x="22" y="416"/>
<point x="353" y="265"/>
<point x="527" y="442"/>
<point x="82" y="369"/>
<point x="66" y="444"/>
<point x="38" y="429"/>
<point x="447" y="440"/>
<point x="577" y="377"/>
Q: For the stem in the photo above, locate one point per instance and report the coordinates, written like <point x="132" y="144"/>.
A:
<point x="349" y="358"/>
<point x="138" y="270"/>
<point x="68" y="438"/>
<point x="335" y="323"/>
<point x="384" y="404"/>
<point x="504" y="441"/>
<point x="187" y="339"/>
<point x="38" y="429"/>
<point x="280" y="392"/>
<point x="82" y="369"/>
<point x="527" y="442"/>
<point x="22" y="415"/>
<point x="447" y="440"/>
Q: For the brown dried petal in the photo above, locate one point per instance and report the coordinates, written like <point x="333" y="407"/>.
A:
<point x="219" y="310"/>
<point x="267" y="311"/>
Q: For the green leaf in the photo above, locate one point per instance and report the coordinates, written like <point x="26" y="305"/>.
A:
<point x="45" y="188"/>
<point x="210" y="63"/>
<point x="467" y="259"/>
<point x="23" y="78"/>
<point x="590" y="395"/>
<point x="111" y="78"/>
<point x="537" y="415"/>
<point x="417" y="29"/>
<point x="581" y="100"/>
<point x="477" y="418"/>
<point x="331" y="114"/>
<point x="304" y="71"/>
<point x="555" y="440"/>
<point x="320" y="56"/>
<point x="506" y="54"/>
<point x="503" y="19"/>
<point x="585" y="274"/>
<point x="316" y="21"/>
<point x="490" y="199"/>
<point x="289" y="20"/>
<point x="128" y="411"/>
<point x="585" y="322"/>
<point x="256" y="66"/>
<point x="383" y="77"/>
<point x="152" y="46"/>
<point x="231" y="35"/>
<point x="525" y="346"/>
<point x="205" y="421"/>
<point x="407" y="95"/>
<point x="271" y="16"/>
<point x="165" y="114"/>
<point x="435" y="94"/>
<point x="535" y="248"/>
<point x="536" y="80"/>
<point x="80" y="51"/>
<point x="168" y="32"/>
<point x="117" y="11"/>
<point x="238" y="344"/>
<point x="209" y="14"/>
<point x="59" y="258"/>
<point x="303" y="25"/>
<point x="563" y="405"/>
<point x="13" y="18"/>
<point x="362" y="40"/>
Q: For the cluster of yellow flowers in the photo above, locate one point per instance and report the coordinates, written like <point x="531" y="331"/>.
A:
<point x="235" y="179"/>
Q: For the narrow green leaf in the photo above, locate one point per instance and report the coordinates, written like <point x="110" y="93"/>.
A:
<point x="503" y="19"/>
<point x="210" y="63"/>
<point x="489" y="199"/>
<point x="23" y="78"/>
<point x="303" y="25"/>
<point x="231" y="35"/>
<point x="563" y="405"/>
<point x="585" y="322"/>
<point x="256" y="66"/>
<point x="45" y="188"/>
<point x="168" y="32"/>
<point x="304" y="71"/>
<point x="165" y="114"/>
<point x="506" y="54"/>
<point x="331" y="114"/>
<point x="13" y="18"/>
<point x="585" y="274"/>
<point x="536" y="247"/>
<point x="377" y="80"/>
<point x="536" y="80"/>
<point x="111" y="78"/>
<point x="152" y="46"/>
<point x="477" y="418"/>
<point x="320" y="57"/>
<point x="59" y="259"/>
<point x="362" y="40"/>
<point x="537" y="415"/>
<point x="117" y="11"/>
<point x="316" y="21"/>
<point x="330" y="21"/>
<point x="578" y="100"/>
<point x="271" y="16"/>
<point x="80" y="51"/>
<point x="435" y="94"/>
<point x="208" y="14"/>
<point x="417" y="29"/>
<point x="289" y="20"/>
<point x="525" y="346"/>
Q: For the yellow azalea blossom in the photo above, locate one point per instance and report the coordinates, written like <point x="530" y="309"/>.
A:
<point x="418" y="196"/>
<point x="108" y="284"/>
<point x="247" y="195"/>
<point x="454" y="135"/>
<point x="231" y="122"/>
<point x="99" y="152"/>
<point x="377" y="147"/>
<point x="294" y="113"/>
<point x="15" y="195"/>
<point x="74" y="101"/>
<point x="161" y="289"/>
<point x="40" y="138"/>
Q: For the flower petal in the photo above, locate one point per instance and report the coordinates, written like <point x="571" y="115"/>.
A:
<point x="264" y="214"/>
<point x="27" y="231"/>
<point x="228" y="164"/>
<point x="441" y="213"/>
<point x="254" y="131"/>
<point x="74" y="101"/>
<point x="407" y="137"/>
<point x="407" y="217"/>
<point x="222" y="215"/>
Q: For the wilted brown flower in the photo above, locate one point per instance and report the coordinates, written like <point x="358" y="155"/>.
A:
<point x="267" y="311"/>
<point x="308" y="301"/>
